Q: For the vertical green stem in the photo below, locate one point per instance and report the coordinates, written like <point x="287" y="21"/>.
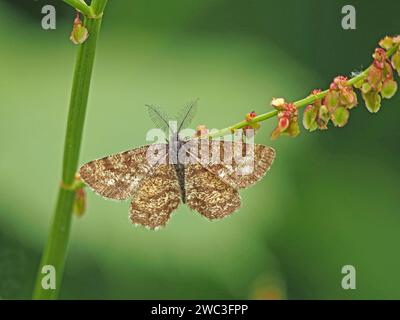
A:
<point x="56" y="247"/>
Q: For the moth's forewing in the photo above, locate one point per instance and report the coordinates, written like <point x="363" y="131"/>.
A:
<point x="118" y="176"/>
<point x="238" y="164"/>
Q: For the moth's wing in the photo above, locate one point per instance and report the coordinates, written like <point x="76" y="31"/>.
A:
<point x="208" y="194"/>
<point x="118" y="176"/>
<point x="238" y="164"/>
<point x="156" y="198"/>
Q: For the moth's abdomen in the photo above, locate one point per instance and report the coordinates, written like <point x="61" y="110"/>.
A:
<point x="180" y="173"/>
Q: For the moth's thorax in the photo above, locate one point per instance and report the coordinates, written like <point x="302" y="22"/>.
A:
<point x="175" y="145"/>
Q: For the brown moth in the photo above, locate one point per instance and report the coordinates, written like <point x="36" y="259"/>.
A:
<point x="204" y="174"/>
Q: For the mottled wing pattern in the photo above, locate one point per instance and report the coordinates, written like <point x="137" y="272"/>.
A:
<point x="240" y="164"/>
<point x="211" y="181"/>
<point x="157" y="196"/>
<point x="209" y="195"/>
<point x="219" y="170"/>
<point x="118" y="176"/>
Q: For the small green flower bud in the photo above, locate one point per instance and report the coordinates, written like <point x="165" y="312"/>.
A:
<point x="340" y="117"/>
<point x="323" y="117"/>
<point x="396" y="61"/>
<point x="389" y="88"/>
<point x="331" y="100"/>
<point x="387" y="71"/>
<point x="79" y="32"/>
<point x="372" y="101"/>
<point x="386" y="42"/>
<point x="79" y="207"/>
<point x="294" y="128"/>
<point x="310" y="118"/>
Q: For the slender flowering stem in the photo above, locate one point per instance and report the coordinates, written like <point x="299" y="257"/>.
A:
<point x="298" y="104"/>
<point x="81" y="6"/>
<point x="56" y="247"/>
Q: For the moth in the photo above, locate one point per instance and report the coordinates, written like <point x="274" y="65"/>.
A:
<point x="204" y="174"/>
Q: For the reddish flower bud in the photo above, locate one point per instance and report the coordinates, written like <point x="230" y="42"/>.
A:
<point x="283" y="124"/>
<point x="287" y="120"/>
<point x="252" y="125"/>
<point x="250" y="116"/>
<point x="375" y="76"/>
<point x="201" y="131"/>
<point x="379" y="57"/>
<point x="79" y="33"/>
<point x="340" y="82"/>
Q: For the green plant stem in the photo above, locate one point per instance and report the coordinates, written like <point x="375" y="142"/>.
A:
<point x="56" y="247"/>
<point x="298" y="104"/>
<point x="81" y="6"/>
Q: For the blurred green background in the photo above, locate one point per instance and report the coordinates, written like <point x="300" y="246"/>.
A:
<point x="330" y="199"/>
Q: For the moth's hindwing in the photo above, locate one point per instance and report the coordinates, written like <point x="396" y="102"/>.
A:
<point x="156" y="198"/>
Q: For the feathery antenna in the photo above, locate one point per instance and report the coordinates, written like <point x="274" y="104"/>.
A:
<point x="186" y="114"/>
<point x="159" y="118"/>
